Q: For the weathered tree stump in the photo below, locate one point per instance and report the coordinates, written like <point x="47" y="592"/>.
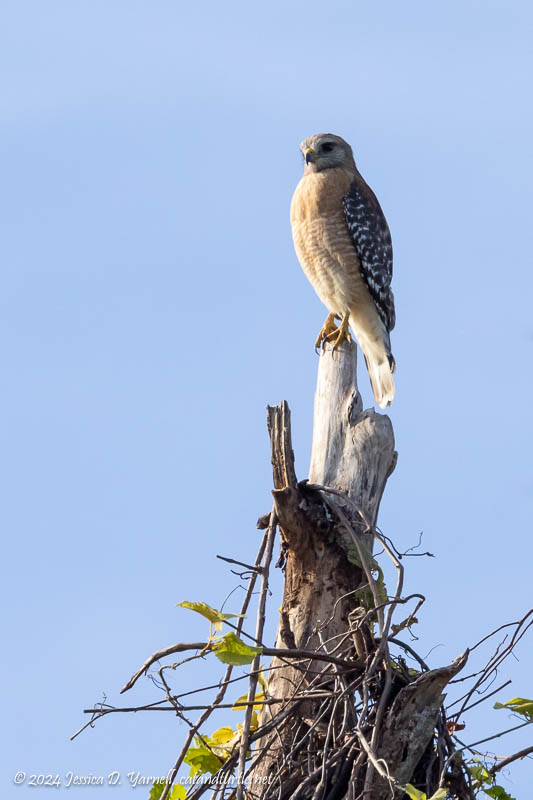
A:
<point x="318" y="750"/>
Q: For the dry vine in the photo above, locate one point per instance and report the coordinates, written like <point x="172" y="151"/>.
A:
<point x="352" y="719"/>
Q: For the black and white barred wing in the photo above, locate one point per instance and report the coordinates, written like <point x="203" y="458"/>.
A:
<point x="371" y="237"/>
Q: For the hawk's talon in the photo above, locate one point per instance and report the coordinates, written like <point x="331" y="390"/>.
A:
<point x="327" y="329"/>
<point x="340" y="333"/>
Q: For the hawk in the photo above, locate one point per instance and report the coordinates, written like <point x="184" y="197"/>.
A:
<point x="343" y="243"/>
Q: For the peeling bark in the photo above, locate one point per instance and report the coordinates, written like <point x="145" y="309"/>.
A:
<point x="410" y="723"/>
<point x="313" y="754"/>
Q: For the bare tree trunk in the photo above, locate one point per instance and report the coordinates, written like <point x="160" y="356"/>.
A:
<point x="353" y="451"/>
<point x="318" y="750"/>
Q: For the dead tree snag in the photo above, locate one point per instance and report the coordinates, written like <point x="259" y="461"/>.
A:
<point x="342" y="717"/>
<point x="329" y="578"/>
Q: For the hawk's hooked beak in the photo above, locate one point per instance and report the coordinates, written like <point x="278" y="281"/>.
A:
<point x="309" y="155"/>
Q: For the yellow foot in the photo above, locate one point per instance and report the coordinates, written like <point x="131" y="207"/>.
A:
<point x="326" y="330"/>
<point x="336" y="336"/>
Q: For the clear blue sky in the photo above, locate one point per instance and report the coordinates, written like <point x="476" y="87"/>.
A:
<point x="152" y="306"/>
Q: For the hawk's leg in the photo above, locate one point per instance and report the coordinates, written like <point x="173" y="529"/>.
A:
<point x="336" y="336"/>
<point x="326" y="330"/>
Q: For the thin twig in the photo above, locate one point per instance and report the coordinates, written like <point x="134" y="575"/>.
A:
<point x="221" y="693"/>
<point x="498" y="735"/>
<point x="249" y="567"/>
<point x="509" y="760"/>
<point x="409" y="649"/>
<point x="486" y="697"/>
<point x="206" y="647"/>
<point x="261" y="614"/>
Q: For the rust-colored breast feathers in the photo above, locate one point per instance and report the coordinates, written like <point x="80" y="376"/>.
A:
<point x="322" y="239"/>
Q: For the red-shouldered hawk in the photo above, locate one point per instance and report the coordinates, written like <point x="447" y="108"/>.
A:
<point x="343" y="243"/>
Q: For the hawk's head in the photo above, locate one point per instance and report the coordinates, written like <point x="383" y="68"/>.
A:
<point x="325" y="151"/>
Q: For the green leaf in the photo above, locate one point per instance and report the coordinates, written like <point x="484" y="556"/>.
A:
<point x="178" y="791"/>
<point x="223" y="741"/>
<point x="381" y="589"/>
<point x="239" y="704"/>
<point x="262" y="681"/>
<point x="365" y="596"/>
<point x="440" y="794"/>
<point x="480" y="774"/>
<point x="232" y="650"/>
<point x="416" y="794"/>
<point x="498" y="792"/>
<point x="201" y="759"/>
<point x="223" y="735"/>
<point x="413" y="793"/>
<point x="353" y="555"/>
<point x="485" y="779"/>
<point x="215" y="617"/>
<point x="156" y="790"/>
<point x="519" y="705"/>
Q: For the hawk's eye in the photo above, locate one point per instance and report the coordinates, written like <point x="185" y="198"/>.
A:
<point x="327" y="147"/>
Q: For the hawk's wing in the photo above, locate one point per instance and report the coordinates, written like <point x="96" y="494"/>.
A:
<point x="372" y="240"/>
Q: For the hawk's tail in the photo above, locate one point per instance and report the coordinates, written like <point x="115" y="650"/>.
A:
<point x="380" y="365"/>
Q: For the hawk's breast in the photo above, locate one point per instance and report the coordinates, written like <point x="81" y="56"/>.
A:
<point x="323" y="242"/>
